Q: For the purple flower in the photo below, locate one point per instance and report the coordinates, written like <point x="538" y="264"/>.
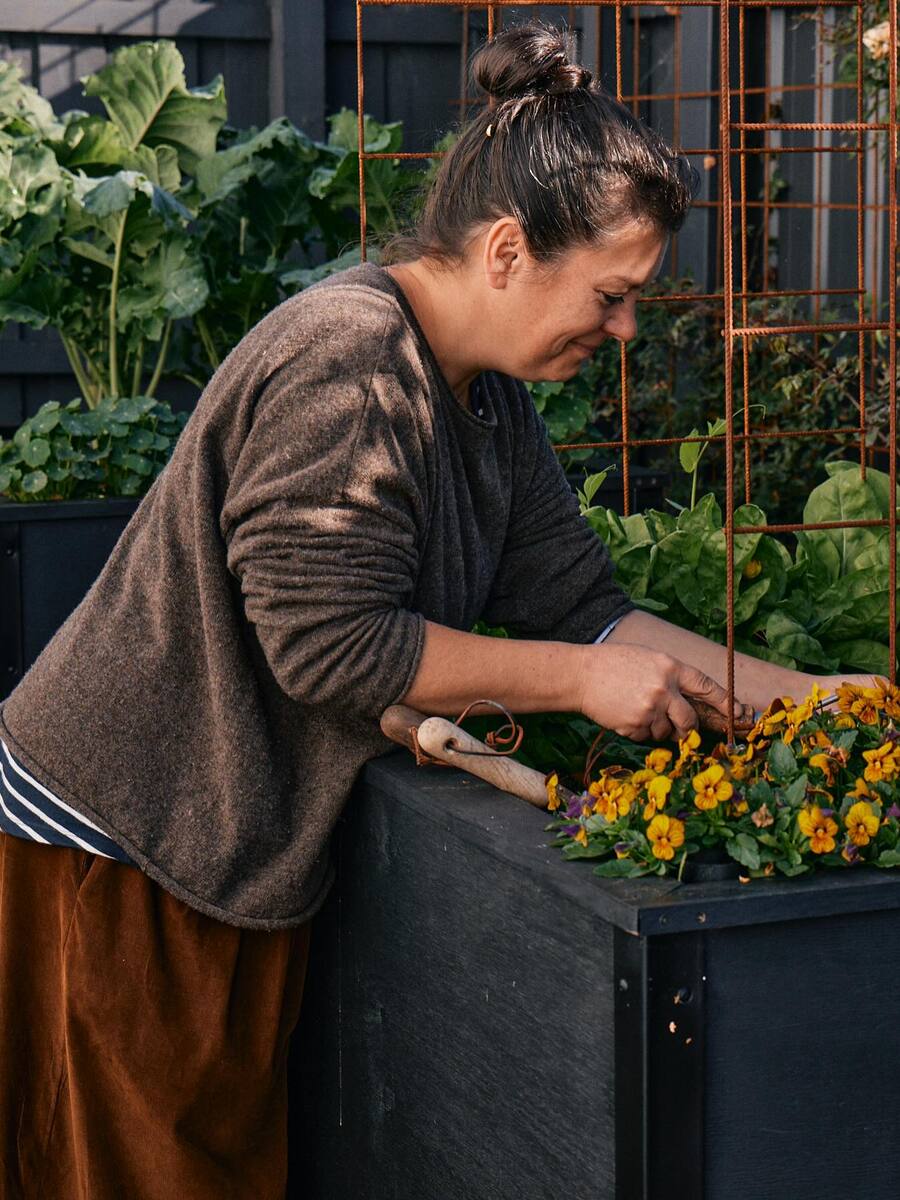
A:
<point x="571" y="830"/>
<point x="827" y="812"/>
<point x="576" y="804"/>
<point x="894" y="812"/>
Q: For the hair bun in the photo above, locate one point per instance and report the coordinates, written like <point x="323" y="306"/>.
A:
<point x="528" y="60"/>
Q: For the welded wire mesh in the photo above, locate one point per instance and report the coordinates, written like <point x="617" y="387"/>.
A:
<point x="711" y="76"/>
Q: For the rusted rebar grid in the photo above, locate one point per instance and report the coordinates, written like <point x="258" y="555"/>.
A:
<point x="748" y="222"/>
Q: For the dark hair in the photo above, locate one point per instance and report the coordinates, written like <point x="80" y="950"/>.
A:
<point x="555" y="151"/>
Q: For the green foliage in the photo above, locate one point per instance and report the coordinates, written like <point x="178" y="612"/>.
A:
<point x="154" y="237"/>
<point x="113" y="228"/>
<point x="824" y="609"/>
<point x="675" y="380"/>
<point x="68" y="452"/>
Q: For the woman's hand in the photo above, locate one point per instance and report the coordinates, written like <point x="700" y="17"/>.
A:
<point x="642" y="693"/>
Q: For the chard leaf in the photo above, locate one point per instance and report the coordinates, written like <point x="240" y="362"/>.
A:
<point x="144" y="91"/>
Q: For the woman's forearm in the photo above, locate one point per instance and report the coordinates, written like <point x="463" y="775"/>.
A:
<point x="527" y="676"/>
<point x="755" y="682"/>
<point x="637" y="691"/>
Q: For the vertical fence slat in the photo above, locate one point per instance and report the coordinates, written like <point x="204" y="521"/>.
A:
<point x="297" y="63"/>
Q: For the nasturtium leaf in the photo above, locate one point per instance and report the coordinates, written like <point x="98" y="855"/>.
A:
<point x="36" y="452"/>
<point x="34" y="481"/>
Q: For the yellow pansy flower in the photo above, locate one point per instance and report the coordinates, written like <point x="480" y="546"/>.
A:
<point x="883" y="763"/>
<point x="826" y="764"/>
<point x="818" y="740"/>
<point x="795" y="718"/>
<point x="752" y="569"/>
<point x="686" y="751"/>
<point x="889" y="697"/>
<point x="581" y="836"/>
<point x="551" y="783"/>
<point x="643" y="776"/>
<point x="614" y="796"/>
<point x="861" y="822"/>
<point x="658" y="794"/>
<point x="862" y="791"/>
<point x="665" y="834"/>
<point x="847" y="695"/>
<point x="818" y="828"/>
<point x="658" y="760"/>
<point x="867" y="706"/>
<point x="711" y="787"/>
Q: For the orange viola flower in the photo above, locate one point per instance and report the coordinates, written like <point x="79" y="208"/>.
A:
<point x="711" y="787"/>
<point x="818" y="828"/>
<point x="665" y="835"/>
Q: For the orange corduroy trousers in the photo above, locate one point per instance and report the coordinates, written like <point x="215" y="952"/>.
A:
<point x="143" y="1045"/>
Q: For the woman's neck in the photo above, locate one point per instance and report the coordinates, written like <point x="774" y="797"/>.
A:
<point x="442" y="308"/>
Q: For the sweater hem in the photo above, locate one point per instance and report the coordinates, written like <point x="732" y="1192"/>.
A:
<point x="319" y="892"/>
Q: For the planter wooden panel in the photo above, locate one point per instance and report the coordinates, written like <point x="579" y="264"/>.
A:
<point x="483" y="1019"/>
<point x="50" y="554"/>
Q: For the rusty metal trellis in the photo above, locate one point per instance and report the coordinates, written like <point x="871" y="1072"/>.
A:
<point x="740" y="139"/>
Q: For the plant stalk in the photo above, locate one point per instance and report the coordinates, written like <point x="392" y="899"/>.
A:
<point x="77" y="369"/>
<point x="113" y="298"/>
<point x="138" y="370"/>
<point x="161" y="359"/>
<point x="206" y="339"/>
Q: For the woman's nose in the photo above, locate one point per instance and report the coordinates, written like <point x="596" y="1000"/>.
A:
<point x="621" y="320"/>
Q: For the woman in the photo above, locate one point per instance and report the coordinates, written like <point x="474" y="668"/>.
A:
<point x="361" y="480"/>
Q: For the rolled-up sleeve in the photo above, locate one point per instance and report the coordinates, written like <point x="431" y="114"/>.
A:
<point x="323" y="523"/>
<point x="555" y="578"/>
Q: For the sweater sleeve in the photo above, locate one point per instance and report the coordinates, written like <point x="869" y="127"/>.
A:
<point x="555" y="578"/>
<point x="323" y="519"/>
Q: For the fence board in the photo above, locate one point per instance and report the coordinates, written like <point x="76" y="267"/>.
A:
<point x="241" y="21"/>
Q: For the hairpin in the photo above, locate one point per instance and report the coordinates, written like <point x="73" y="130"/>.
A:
<point x="489" y="130"/>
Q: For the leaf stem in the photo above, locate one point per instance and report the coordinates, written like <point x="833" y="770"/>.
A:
<point x="161" y="359"/>
<point x="206" y="339"/>
<point x="138" y="370"/>
<point x="113" y="299"/>
<point x="77" y="369"/>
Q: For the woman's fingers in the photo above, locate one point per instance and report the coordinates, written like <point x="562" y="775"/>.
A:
<point x="682" y="715"/>
<point x="692" y="682"/>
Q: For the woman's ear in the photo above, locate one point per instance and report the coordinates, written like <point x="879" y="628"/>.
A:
<point x="503" y="254"/>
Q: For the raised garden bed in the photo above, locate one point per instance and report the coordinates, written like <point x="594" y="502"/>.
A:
<point x="50" y="554"/>
<point x="483" y="1019"/>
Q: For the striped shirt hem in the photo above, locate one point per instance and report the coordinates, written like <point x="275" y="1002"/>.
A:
<point x="31" y="811"/>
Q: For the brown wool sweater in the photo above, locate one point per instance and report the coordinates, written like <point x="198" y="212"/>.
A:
<point x="212" y="698"/>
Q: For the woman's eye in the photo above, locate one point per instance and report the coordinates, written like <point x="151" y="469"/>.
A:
<point x="610" y="298"/>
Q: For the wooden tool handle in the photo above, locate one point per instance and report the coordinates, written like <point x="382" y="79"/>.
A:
<point x="447" y="742"/>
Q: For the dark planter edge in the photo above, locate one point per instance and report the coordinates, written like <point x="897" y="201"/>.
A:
<point x="61" y="510"/>
<point x="503" y="826"/>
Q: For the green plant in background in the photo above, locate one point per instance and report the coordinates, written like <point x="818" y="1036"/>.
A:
<point x="823" y="609"/>
<point x="152" y="238"/>
<point x="95" y="237"/>
<point x="115" y="449"/>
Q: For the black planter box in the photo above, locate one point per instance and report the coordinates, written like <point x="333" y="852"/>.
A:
<point x="50" y="554"/>
<point x="485" y="1021"/>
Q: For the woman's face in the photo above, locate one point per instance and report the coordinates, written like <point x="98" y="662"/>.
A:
<point x="554" y="317"/>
